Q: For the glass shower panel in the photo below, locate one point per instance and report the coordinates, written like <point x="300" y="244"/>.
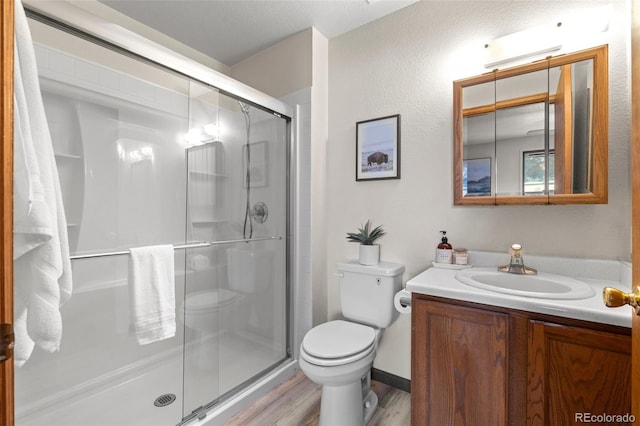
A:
<point x="117" y="126"/>
<point x="236" y="291"/>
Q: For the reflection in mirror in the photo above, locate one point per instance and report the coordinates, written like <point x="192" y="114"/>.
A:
<point x="570" y="89"/>
<point x="521" y="123"/>
<point x="534" y="172"/>
<point x="479" y="140"/>
<point x="520" y="129"/>
<point x="533" y="134"/>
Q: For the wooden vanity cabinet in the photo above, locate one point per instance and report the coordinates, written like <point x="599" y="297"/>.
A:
<point x="482" y="365"/>
<point x="576" y="372"/>
<point x="459" y="365"/>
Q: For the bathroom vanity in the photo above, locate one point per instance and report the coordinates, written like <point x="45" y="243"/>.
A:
<point x="481" y="357"/>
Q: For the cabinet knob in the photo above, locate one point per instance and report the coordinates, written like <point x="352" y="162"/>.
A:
<point x="613" y="298"/>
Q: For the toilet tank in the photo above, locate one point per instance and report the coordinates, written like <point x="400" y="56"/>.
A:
<point x="366" y="292"/>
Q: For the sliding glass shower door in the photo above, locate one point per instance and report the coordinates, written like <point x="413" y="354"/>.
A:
<point x="235" y="308"/>
<point x="147" y="156"/>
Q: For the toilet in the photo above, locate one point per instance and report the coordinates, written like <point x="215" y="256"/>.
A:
<point x="339" y="354"/>
<point x="202" y="311"/>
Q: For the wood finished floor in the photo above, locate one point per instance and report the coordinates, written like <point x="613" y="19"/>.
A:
<point x="296" y="402"/>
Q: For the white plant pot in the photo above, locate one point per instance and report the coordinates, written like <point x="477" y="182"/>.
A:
<point x="369" y="254"/>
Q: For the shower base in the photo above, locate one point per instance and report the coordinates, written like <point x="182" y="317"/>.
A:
<point x="111" y="402"/>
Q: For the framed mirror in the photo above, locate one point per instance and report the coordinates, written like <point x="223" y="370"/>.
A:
<point x="534" y="134"/>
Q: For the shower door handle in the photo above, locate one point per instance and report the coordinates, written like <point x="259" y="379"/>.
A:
<point x="7" y="342"/>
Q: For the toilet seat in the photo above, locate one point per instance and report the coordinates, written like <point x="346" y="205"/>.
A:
<point x="338" y="342"/>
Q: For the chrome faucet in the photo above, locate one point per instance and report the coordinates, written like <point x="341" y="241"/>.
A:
<point x="516" y="264"/>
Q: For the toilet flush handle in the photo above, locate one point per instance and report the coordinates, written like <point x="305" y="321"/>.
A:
<point x="339" y="274"/>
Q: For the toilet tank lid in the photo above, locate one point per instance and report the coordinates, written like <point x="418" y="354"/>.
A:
<point x="388" y="269"/>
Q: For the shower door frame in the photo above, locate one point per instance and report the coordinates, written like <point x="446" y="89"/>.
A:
<point x="98" y="29"/>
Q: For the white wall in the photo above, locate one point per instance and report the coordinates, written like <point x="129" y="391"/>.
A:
<point x="318" y="165"/>
<point x="405" y="63"/>
<point x="281" y="69"/>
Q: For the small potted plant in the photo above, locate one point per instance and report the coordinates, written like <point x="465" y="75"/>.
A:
<point x="366" y="236"/>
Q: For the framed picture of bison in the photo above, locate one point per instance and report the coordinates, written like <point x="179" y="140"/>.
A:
<point x="378" y="148"/>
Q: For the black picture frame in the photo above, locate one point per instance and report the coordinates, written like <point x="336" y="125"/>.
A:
<point x="378" y="148"/>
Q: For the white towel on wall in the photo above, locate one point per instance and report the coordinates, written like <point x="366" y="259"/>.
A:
<point x="42" y="268"/>
<point x="152" y="288"/>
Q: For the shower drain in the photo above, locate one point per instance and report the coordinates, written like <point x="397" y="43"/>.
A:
<point x="164" y="400"/>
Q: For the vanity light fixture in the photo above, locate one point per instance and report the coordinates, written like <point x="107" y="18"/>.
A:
<point x="533" y="41"/>
<point x="575" y="32"/>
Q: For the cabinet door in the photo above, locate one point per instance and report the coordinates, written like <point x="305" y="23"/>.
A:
<point x="576" y="374"/>
<point x="459" y="365"/>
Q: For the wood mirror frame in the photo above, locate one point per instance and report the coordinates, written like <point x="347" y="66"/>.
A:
<point x="599" y="134"/>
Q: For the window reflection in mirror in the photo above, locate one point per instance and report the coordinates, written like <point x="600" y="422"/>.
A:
<point x="534" y="172"/>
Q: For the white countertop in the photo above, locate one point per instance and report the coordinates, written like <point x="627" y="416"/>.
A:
<point x="442" y="282"/>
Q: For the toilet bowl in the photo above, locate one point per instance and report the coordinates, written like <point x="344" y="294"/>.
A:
<point x="202" y="311"/>
<point x="339" y="355"/>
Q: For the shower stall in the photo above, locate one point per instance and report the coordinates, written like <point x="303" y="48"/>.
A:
<point x="150" y="155"/>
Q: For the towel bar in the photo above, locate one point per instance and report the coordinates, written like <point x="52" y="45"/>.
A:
<point x="198" y="244"/>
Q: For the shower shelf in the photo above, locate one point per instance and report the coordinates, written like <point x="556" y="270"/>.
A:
<point x="208" y="174"/>
<point x="67" y="156"/>
<point x="88" y="288"/>
<point x="203" y="222"/>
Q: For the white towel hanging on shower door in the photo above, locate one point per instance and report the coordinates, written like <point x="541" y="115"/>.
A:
<point x="42" y="268"/>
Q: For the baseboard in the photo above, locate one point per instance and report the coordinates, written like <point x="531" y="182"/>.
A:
<point x="391" y="380"/>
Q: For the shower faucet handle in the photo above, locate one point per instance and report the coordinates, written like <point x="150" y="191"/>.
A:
<point x="259" y="212"/>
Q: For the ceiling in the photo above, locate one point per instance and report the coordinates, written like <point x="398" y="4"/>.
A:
<point x="232" y="30"/>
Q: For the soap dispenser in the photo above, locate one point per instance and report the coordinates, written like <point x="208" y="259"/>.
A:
<point x="444" y="252"/>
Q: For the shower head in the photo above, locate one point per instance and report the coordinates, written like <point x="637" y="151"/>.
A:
<point x="244" y="107"/>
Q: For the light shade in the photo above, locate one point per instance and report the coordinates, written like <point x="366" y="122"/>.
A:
<point x="532" y="41"/>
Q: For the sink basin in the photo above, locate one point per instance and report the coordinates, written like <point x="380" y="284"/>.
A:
<point x="541" y="286"/>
